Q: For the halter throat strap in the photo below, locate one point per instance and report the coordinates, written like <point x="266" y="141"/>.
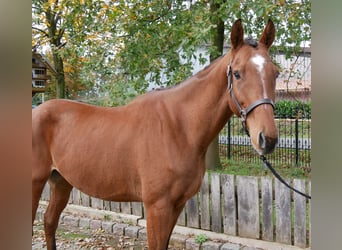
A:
<point x="244" y="112"/>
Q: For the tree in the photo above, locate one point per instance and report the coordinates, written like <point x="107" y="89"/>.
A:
<point x="212" y="158"/>
<point x="77" y="37"/>
<point x="53" y="32"/>
<point x="127" y="45"/>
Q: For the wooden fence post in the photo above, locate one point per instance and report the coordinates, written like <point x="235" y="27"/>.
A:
<point x="216" y="213"/>
<point x="204" y="203"/>
<point x="299" y="214"/>
<point x="229" y="204"/>
<point x="126" y="207"/>
<point x="267" y="208"/>
<point x="248" y="206"/>
<point x="283" y="212"/>
<point x="192" y="212"/>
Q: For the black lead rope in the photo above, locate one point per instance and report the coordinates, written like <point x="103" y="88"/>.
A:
<point x="265" y="161"/>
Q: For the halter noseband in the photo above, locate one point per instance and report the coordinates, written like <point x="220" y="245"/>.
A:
<point x="246" y="111"/>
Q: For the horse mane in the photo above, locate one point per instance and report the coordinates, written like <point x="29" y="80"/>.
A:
<point x="251" y="42"/>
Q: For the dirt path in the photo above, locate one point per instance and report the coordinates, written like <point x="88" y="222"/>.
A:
<point x="77" y="238"/>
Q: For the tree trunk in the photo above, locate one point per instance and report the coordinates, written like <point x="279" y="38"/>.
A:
<point x="55" y="37"/>
<point x="212" y="158"/>
<point x="59" y="66"/>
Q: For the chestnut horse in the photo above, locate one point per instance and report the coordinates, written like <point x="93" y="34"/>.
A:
<point x="153" y="149"/>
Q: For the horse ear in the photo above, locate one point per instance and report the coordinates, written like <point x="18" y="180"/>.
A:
<point x="236" y="35"/>
<point x="268" y="35"/>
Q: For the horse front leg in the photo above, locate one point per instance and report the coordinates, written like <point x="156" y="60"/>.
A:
<point x="161" y="219"/>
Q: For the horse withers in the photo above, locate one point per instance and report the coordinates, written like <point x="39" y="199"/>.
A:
<point x="153" y="149"/>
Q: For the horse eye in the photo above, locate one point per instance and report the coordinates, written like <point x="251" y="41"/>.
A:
<point x="237" y="74"/>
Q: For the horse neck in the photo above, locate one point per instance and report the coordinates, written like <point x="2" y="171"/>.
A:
<point x="204" y="106"/>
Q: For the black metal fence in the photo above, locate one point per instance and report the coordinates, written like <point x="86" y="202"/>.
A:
<point x="293" y="149"/>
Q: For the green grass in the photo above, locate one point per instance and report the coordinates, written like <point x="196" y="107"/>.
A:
<point x="107" y="217"/>
<point x="255" y="169"/>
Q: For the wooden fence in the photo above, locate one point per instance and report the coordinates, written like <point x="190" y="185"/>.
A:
<point x="245" y="206"/>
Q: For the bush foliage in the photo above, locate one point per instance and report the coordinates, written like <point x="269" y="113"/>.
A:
<point x="292" y="109"/>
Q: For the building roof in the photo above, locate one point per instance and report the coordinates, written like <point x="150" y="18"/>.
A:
<point x="45" y="61"/>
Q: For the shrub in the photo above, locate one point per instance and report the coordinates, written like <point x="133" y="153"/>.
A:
<point x="292" y="109"/>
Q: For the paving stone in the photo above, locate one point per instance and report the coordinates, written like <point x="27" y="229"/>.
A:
<point x="119" y="228"/>
<point x="132" y="231"/>
<point x="107" y="226"/>
<point x="70" y="221"/>
<point x="143" y="234"/>
<point x="84" y="223"/>
<point x="249" y="248"/>
<point x="191" y="244"/>
<point x="211" y="245"/>
<point x="230" y="246"/>
<point x="95" y="224"/>
<point x="178" y="241"/>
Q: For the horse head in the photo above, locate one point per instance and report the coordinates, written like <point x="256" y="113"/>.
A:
<point x="251" y="83"/>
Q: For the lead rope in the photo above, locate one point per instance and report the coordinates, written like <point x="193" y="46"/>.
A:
<point x="274" y="172"/>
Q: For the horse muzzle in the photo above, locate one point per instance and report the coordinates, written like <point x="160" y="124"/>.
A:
<point x="266" y="144"/>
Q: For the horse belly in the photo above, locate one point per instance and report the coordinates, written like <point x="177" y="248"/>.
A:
<point x="114" y="184"/>
<point x="101" y="168"/>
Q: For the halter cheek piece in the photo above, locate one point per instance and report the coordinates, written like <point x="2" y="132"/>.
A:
<point x="246" y="111"/>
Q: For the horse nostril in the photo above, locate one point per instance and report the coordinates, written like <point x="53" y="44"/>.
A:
<point x="262" y="140"/>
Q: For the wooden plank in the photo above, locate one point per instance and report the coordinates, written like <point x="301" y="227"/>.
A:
<point x="76" y="196"/>
<point x="46" y="192"/>
<point x="248" y="206"/>
<point x="204" y="204"/>
<point x="144" y="211"/>
<point x="309" y="204"/>
<point x="299" y="214"/>
<point x="137" y="208"/>
<point x="229" y="204"/>
<point x="181" y="219"/>
<point x="192" y="212"/>
<point x="126" y="207"/>
<point x="216" y="203"/>
<point x="85" y="199"/>
<point x="115" y="206"/>
<point x="106" y="205"/>
<point x="96" y="203"/>
<point x="267" y="208"/>
<point x="70" y="201"/>
<point x="283" y="212"/>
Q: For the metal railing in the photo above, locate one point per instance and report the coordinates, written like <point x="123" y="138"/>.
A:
<point x="293" y="149"/>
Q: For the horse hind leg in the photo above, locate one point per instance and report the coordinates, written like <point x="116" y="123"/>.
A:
<point x="60" y="192"/>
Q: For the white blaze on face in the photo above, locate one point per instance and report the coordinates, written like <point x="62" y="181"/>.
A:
<point x="259" y="61"/>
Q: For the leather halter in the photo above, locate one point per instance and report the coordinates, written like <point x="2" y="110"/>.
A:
<point x="244" y="112"/>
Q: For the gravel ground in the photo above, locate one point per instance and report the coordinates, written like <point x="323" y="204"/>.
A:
<point x="77" y="238"/>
